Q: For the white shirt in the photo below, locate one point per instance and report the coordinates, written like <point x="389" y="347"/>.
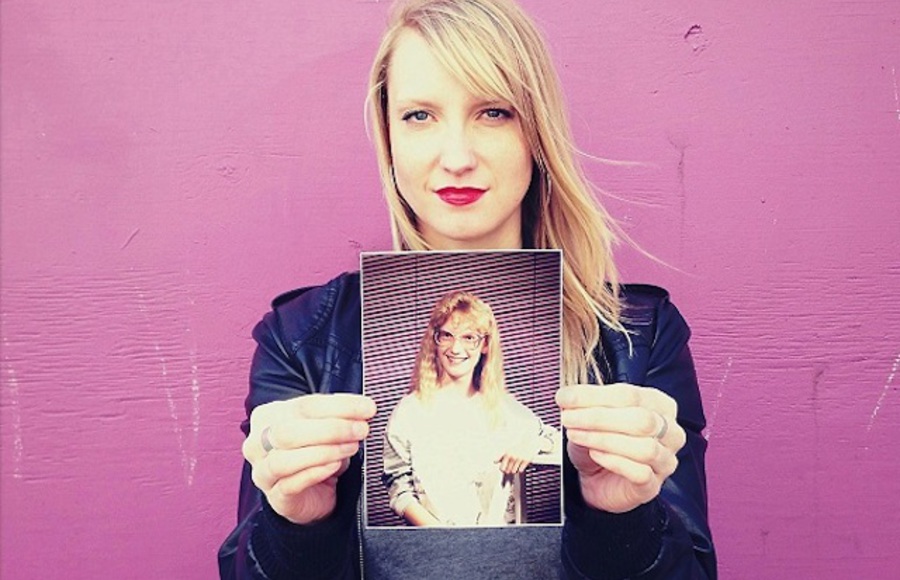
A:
<point x="445" y="452"/>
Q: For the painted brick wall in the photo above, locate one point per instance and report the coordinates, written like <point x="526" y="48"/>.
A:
<point x="168" y="167"/>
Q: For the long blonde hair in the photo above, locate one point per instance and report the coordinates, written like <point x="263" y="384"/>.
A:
<point x="495" y="51"/>
<point x="488" y="378"/>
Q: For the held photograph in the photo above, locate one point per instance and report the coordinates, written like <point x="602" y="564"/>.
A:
<point x="461" y="353"/>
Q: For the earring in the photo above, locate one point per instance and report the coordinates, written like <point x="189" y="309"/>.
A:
<point x="548" y="190"/>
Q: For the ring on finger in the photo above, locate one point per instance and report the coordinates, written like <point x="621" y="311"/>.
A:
<point x="663" y="429"/>
<point x="266" y="442"/>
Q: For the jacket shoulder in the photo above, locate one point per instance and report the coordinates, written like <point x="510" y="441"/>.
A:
<point x="318" y="293"/>
<point x="650" y="319"/>
<point x="332" y="308"/>
<point x="640" y="299"/>
<point x="642" y="307"/>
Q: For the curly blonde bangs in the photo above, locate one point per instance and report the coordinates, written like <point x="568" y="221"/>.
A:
<point x="489" y="378"/>
<point x="496" y="52"/>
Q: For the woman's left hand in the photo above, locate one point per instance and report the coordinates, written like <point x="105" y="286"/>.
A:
<point x="622" y="440"/>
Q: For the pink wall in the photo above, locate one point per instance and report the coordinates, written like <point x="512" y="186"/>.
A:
<point x="167" y="167"/>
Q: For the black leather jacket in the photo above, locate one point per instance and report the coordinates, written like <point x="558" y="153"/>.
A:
<point x="310" y="342"/>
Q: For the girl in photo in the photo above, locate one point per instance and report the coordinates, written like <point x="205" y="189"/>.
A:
<point x="454" y="443"/>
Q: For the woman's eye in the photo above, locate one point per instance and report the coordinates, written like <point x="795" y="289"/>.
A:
<point x="497" y="113"/>
<point x="418" y="116"/>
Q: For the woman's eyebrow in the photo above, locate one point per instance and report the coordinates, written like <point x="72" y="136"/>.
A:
<point x="415" y="104"/>
<point x="492" y="103"/>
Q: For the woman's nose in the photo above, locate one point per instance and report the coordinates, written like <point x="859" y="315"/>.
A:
<point x="457" y="152"/>
<point x="458" y="345"/>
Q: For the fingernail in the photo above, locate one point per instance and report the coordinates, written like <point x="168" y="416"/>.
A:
<point x="563" y="397"/>
<point x="360" y="429"/>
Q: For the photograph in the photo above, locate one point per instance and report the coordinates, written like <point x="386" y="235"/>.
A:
<point x="461" y="354"/>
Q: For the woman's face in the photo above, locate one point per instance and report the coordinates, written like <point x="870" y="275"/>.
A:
<point x="458" y="358"/>
<point x="461" y="162"/>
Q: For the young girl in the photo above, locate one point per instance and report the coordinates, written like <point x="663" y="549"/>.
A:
<point x="475" y="153"/>
<point x="454" y="442"/>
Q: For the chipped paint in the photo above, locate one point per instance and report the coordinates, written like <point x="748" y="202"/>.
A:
<point x="896" y="92"/>
<point x="12" y="382"/>
<point x="707" y="433"/>
<point x="884" y="391"/>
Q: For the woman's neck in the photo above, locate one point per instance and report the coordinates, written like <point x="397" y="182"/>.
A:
<point x="459" y="386"/>
<point x="504" y="239"/>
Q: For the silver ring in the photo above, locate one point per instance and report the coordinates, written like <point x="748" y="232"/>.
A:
<point x="664" y="428"/>
<point x="264" y="439"/>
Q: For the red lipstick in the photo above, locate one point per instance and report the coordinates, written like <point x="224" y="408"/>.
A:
<point x="460" y="195"/>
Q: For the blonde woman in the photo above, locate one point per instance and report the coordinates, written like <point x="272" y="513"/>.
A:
<point x="454" y="442"/>
<point x="475" y="153"/>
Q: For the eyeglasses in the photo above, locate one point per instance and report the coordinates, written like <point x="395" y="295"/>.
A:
<point x="469" y="341"/>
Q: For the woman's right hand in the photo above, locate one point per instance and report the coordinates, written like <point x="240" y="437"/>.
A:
<point x="313" y="438"/>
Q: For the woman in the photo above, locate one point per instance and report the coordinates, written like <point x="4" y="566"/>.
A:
<point x="454" y="442"/>
<point x="475" y="152"/>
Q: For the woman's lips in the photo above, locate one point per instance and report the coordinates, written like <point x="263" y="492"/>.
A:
<point x="460" y="195"/>
<point x="455" y="360"/>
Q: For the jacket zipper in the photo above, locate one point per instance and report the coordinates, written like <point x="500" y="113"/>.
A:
<point x="359" y="533"/>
